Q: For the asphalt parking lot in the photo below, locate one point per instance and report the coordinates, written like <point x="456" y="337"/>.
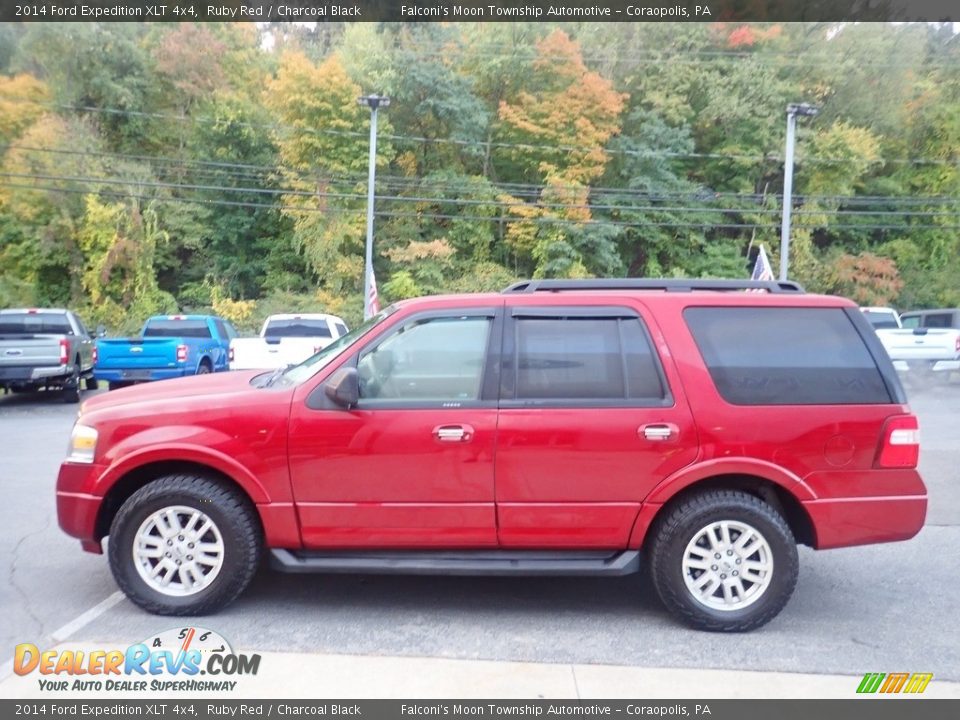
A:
<point x="879" y="608"/>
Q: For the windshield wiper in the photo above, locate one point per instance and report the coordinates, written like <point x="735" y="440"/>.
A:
<point x="276" y="375"/>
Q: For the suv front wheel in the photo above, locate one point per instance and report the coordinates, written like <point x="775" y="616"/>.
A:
<point x="184" y="545"/>
<point x="723" y="560"/>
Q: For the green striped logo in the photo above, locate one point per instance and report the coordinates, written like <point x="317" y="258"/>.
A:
<point x="913" y="683"/>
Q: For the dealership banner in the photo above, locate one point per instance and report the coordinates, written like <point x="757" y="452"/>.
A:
<point x="480" y="10"/>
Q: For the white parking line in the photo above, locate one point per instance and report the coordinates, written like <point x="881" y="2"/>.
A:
<point x="65" y="631"/>
<point x="68" y="629"/>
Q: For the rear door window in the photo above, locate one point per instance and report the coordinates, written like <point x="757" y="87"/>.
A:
<point x="583" y="360"/>
<point x="786" y="356"/>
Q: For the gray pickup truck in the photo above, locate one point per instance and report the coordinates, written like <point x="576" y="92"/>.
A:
<point x="47" y="349"/>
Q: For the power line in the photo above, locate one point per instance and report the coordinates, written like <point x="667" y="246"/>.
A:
<point x="706" y="226"/>
<point x="517" y="189"/>
<point x="411" y="139"/>
<point x="289" y="192"/>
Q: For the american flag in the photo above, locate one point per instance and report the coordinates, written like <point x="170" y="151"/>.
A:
<point x="373" y="300"/>
<point x="761" y="268"/>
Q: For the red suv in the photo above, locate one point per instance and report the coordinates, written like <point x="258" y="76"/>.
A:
<point x="557" y="428"/>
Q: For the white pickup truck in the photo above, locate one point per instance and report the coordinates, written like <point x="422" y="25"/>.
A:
<point x="285" y="340"/>
<point x="927" y="344"/>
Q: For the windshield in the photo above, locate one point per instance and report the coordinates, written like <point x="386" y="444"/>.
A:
<point x="309" y="367"/>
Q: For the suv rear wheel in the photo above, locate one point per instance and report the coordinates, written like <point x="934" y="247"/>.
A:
<point x="723" y="560"/>
<point x="184" y="545"/>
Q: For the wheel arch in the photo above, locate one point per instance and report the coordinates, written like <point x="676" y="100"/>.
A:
<point x="775" y="494"/>
<point x="142" y="475"/>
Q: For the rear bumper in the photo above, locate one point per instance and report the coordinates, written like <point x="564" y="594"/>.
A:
<point x="845" y="522"/>
<point x="934" y="365"/>
<point x="34" y="375"/>
<point x="130" y="375"/>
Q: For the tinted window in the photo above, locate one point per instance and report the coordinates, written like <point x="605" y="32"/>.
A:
<point x="298" y="328"/>
<point x="584" y="359"/>
<point x="438" y="359"/>
<point x="938" y="320"/>
<point x="786" y="356"/>
<point x="912" y="321"/>
<point x="34" y="324"/>
<point x="880" y="320"/>
<point x="177" y="328"/>
<point x="341" y="329"/>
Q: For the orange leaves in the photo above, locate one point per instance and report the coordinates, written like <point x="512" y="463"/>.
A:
<point x="867" y="278"/>
<point x="570" y="107"/>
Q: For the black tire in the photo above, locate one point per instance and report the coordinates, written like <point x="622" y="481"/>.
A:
<point x="682" y="523"/>
<point x="70" y="393"/>
<point x="235" y="519"/>
<point x="92" y="384"/>
<point x="204" y="368"/>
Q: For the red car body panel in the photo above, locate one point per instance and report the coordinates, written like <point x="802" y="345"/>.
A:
<point x="552" y="478"/>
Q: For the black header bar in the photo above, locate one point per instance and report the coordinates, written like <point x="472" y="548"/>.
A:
<point x="172" y="708"/>
<point x="480" y="11"/>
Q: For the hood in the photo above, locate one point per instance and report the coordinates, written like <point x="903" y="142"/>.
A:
<point x="189" y="388"/>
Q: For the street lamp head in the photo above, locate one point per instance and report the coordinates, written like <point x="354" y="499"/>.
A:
<point x="374" y="101"/>
<point x="802" y="109"/>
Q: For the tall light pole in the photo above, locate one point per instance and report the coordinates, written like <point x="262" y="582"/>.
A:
<point x="374" y="102"/>
<point x="793" y="109"/>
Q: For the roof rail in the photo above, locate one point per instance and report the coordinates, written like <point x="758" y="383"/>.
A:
<point x="669" y="285"/>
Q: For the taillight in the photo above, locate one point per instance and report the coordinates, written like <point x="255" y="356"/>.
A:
<point x="96" y="355"/>
<point x="231" y="354"/>
<point x="181" y="353"/>
<point x="900" y="444"/>
<point x="956" y="344"/>
<point x="64" y="352"/>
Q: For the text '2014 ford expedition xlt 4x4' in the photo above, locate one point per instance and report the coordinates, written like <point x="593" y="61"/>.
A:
<point x="557" y="428"/>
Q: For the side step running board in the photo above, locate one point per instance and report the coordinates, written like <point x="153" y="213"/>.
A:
<point x="480" y="562"/>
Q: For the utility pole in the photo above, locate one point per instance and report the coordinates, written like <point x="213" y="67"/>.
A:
<point x="374" y="102"/>
<point x="793" y="109"/>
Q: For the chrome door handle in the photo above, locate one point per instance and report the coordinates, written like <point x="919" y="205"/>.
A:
<point x="659" y="432"/>
<point x="453" y="433"/>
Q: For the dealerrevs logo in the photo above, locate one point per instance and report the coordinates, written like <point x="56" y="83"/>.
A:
<point x="182" y="659"/>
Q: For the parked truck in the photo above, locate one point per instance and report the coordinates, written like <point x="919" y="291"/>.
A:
<point x="928" y="345"/>
<point x="45" y="349"/>
<point x="169" y="346"/>
<point x="286" y="340"/>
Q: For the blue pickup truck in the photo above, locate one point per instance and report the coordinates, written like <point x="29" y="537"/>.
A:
<point x="169" y="346"/>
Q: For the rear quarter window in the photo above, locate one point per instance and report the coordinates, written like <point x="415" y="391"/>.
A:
<point x="786" y="356"/>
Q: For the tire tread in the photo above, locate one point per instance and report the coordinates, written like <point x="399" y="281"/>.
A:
<point x="673" y="524"/>
<point x="231" y="503"/>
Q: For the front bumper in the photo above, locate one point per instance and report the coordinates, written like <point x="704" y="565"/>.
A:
<point x="77" y="507"/>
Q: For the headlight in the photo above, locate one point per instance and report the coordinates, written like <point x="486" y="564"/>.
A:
<point x="83" y="444"/>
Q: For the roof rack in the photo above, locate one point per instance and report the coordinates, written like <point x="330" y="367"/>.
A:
<point x="669" y="285"/>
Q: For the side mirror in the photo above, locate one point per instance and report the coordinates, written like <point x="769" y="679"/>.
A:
<point x="101" y="330"/>
<point x="343" y="387"/>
